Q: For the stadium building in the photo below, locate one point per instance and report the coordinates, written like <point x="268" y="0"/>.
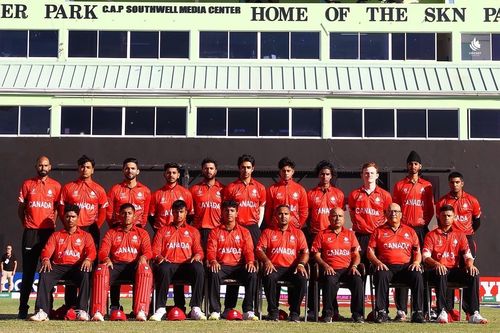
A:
<point x="181" y="81"/>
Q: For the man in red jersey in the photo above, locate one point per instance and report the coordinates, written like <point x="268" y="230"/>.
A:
<point x="414" y="195"/>
<point x="124" y="251"/>
<point x="160" y="209"/>
<point x="68" y="254"/>
<point x="283" y="252"/>
<point x="443" y="248"/>
<point x="394" y="252"/>
<point x="230" y="254"/>
<point x="177" y="252"/>
<point x="336" y="250"/>
<point x="129" y="191"/>
<point x="38" y="200"/>
<point x="367" y="205"/>
<point x="286" y="192"/>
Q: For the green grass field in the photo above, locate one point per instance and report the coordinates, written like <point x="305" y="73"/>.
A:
<point x="9" y="323"/>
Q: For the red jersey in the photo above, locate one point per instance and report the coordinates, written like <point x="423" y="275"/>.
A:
<point x="40" y="199"/>
<point x="230" y="247"/>
<point x="249" y="198"/>
<point x="282" y="247"/>
<point x="394" y="247"/>
<point x="89" y="196"/>
<point x="320" y="203"/>
<point x="466" y="208"/>
<point x="69" y="249"/>
<point x="162" y="200"/>
<point x="177" y="244"/>
<point x="207" y="200"/>
<point x="446" y="247"/>
<point x="125" y="246"/>
<point x="367" y="210"/>
<point x="336" y="249"/>
<point x="287" y="193"/>
<point x="139" y="196"/>
<point x="416" y="201"/>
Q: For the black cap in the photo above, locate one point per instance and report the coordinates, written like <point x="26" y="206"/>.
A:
<point x="413" y="157"/>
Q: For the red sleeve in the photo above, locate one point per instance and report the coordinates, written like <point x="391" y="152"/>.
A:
<point x="105" y="245"/>
<point x="387" y="201"/>
<point x="463" y="245"/>
<point x="189" y="202"/>
<point x="110" y="209"/>
<point x="316" y="244"/>
<point x="415" y="241"/>
<point x="103" y="198"/>
<point x="152" y="204"/>
<point x="395" y="194"/>
<point x="263" y="241"/>
<point x="89" y="250"/>
<point x="372" y="243"/>
<point x="23" y="192"/>
<point x="303" y="208"/>
<point x="358" y="219"/>
<point x="302" y="243"/>
<point x="49" y="247"/>
<point x="429" y="204"/>
<point x="147" y="204"/>
<point x="262" y="195"/>
<point x="268" y="213"/>
<point x="428" y="245"/>
<point x="212" y="245"/>
<point x="158" y="242"/>
<point x="101" y="216"/>
<point x="476" y="209"/>
<point x="248" y="249"/>
<point x="145" y="244"/>
<point x="62" y="202"/>
<point x="342" y="199"/>
<point x="354" y="241"/>
<point x="197" y="249"/>
<point x="439" y="203"/>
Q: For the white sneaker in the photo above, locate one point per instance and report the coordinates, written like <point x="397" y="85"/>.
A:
<point x="39" y="316"/>
<point x="476" y="318"/>
<point x="250" y="315"/>
<point x="98" y="317"/>
<point x="82" y="315"/>
<point x="196" y="313"/>
<point x="225" y="313"/>
<point x="141" y="316"/>
<point x="443" y="317"/>
<point x="158" y="315"/>
<point x="214" y="316"/>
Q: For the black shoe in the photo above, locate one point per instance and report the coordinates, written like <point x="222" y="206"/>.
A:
<point x="357" y="318"/>
<point x="23" y="313"/>
<point x="294" y="317"/>
<point x="417" y="317"/>
<point x="273" y="316"/>
<point x="381" y="317"/>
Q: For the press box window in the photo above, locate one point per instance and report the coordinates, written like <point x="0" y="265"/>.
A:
<point x="242" y="121"/>
<point x="484" y="124"/>
<point x="170" y="121"/>
<point x="75" y="120"/>
<point x="274" y="122"/>
<point x="174" y="44"/>
<point x="443" y="124"/>
<point x="35" y="120"/>
<point x="82" y="44"/>
<point x="274" y="45"/>
<point x="43" y="43"/>
<point x="347" y="123"/>
<point x="213" y="44"/>
<point x="379" y="123"/>
<point x="211" y="121"/>
<point x="106" y="120"/>
<point x="306" y="122"/>
<point x="13" y="43"/>
<point x="344" y="45"/>
<point x="411" y="124"/>
<point x="374" y="46"/>
<point x="305" y="45"/>
<point x="112" y="44"/>
<point x="421" y="46"/>
<point x="8" y="119"/>
<point x="144" y="44"/>
<point x="139" y="121"/>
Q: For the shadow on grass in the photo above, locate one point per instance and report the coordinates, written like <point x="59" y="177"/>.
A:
<point x="7" y="316"/>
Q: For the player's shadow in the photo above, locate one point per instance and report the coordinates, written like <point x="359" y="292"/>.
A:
<point x="4" y="316"/>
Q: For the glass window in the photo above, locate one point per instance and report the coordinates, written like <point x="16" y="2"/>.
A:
<point x="485" y="124"/>
<point x="398" y="46"/>
<point x="82" y="44"/>
<point x="144" y="44"/>
<point x="443" y="124"/>
<point x="107" y="121"/>
<point x="274" y="45"/>
<point x="35" y="120"/>
<point x="374" y="46"/>
<point x="112" y="44"/>
<point x="305" y="45"/>
<point x="211" y="121"/>
<point x="273" y="122"/>
<point x="343" y="45"/>
<point x="174" y="44"/>
<point x="411" y="124"/>
<point x="171" y="121"/>
<point x="379" y="123"/>
<point x="213" y="44"/>
<point x="13" y="43"/>
<point x="8" y="119"/>
<point x="347" y="123"/>
<point x="495" y="46"/>
<point x="242" y="122"/>
<point x="421" y="46"/>
<point x="476" y="47"/>
<point x="306" y="122"/>
<point x="43" y="43"/>
<point x="140" y="121"/>
<point x="75" y="120"/>
<point x="243" y="45"/>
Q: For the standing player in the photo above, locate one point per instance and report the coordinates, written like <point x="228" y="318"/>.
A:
<point x="38" y="200"/>
<point x="367" y="205"/>
<point x="230" y="254"/>
<point x="414" y="195"/>
<point x="287" y="192"/>
<point x="68" y="254"/>
<point x="129" y="191"/>
<point x="124" y="254"/>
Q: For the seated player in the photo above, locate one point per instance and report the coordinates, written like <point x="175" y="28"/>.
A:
<point x="68" y="254"/>
<point x="443" y="249"/>
<point x="283" y="252"/>
<point x="336" y="250"/>
<point x="124" y="254"/>
<point x="177" y="252"/>
<point x="230" y="256"/>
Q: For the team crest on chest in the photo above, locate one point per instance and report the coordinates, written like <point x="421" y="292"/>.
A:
<point x="295" y="196"/>
<point x="78" y="242"/>
<point x="49" y="193"/>
<point x="92" y="194"/>
<point x="135" y="239"/>
<point x="406" y="235"/>
<point x="292" y="238"/>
